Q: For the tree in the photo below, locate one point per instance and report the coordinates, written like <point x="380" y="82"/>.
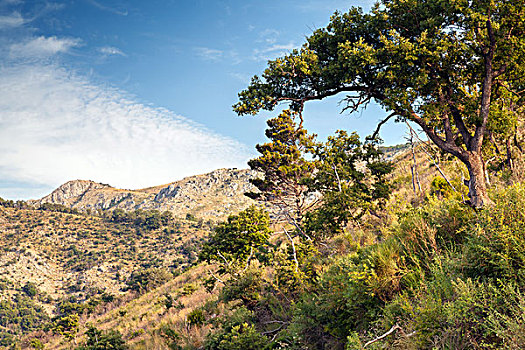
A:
<point x="284" y="167"/>
<point x="352" y="179"/>
<point x="444" y="65"/>
<point x="236" y="239"/>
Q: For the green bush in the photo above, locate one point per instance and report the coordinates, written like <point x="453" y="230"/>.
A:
<point x="239" y="337"/>
<point x="103" y="340"/>
<point x="30" y="289"/>
<point x="145" y="280"/>
<point x="21" y="314"/>
<point x="496" y="245"/>
<point x="196" y="317"/>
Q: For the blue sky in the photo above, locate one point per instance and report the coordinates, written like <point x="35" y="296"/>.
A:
<point x="139" y="93"/>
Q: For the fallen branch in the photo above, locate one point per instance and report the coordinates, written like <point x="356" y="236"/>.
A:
<point x="392" y="330"/>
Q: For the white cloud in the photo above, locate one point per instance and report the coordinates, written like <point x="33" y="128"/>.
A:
<point x="110" y="50"/>
<point x="273" y="51"/>
<point x="56" y="126"/>
<point x="113" y="10"/>
<point x="243" y="78"/>
<point x="42" y="47"/>
<point x="283" y="47"/>
<point x="209" y="54"/>
<point x="11" y="21"/>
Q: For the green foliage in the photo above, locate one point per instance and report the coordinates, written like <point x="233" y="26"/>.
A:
<point x="237" y="332"/>
<point x="171" y="335"/>
<point x="145" y="219"/>
<point x="30" y="289"/>
<point x="246" y="288"/>
<point x="21" y="314"/>
<point x="66" y="326"/>
<point x="145" y="280"/>
<point x="58" y="208"/>
<point x="236" y="239"/>
<point x="283" y="165"/>
<point x="496" y="246"/>
<point x="440" y="187"/>
<point x="71" y="306"/>
<point x="36" y="344"/>
<point x="348" y="190"/>
<point x="196" y="317"/>
<point x="103" y="340"/>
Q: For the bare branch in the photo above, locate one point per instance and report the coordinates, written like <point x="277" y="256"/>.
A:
<point x="216" y="278"/>
<point x="380" y="124"/>
<point x="248" y="261"/>
<point x="294" y="253"/>
<point x="392" y="330"/>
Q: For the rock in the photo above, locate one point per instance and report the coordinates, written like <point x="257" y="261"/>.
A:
<point x="209" y="196"/>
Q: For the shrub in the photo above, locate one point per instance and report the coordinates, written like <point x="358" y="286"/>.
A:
<point x="496" y="245"/>
<point x="102" y="340"/>
<point x="196" y="317"/>
<point x="30" y="289"/>
<point x="145" y="280"/>
<point x="239" y="337"/>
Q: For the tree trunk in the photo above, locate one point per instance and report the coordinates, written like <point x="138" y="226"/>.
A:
<point x="477" y="188"/>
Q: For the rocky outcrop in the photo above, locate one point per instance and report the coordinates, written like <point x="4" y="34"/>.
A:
<point x="72" y="189"/>
<point x="209" y="196"/>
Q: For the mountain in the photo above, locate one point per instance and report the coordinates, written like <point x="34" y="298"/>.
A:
<point x="214" y="195"/>
<point x="70" y="255"/>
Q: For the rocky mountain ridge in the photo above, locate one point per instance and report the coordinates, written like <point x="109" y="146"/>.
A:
<point x="214" y="195"/>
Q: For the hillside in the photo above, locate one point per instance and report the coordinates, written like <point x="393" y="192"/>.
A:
<point x="71" y="253"/>
<point x="78" y="259"/>
<point x="208" y="196"/>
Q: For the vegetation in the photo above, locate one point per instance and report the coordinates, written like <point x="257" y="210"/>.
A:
<point x="343" y="249"/>
<point x="454" y="68"/>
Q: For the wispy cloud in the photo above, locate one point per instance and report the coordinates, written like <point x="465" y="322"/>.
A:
<point x="280" y="47"/>
<point x="111" y="51"/>
<point x="242" y="77"/>
<point x="332" y="5"/>
<point x="209" y="54"/>
<point x="269" y="36"/>
<point x="56" y="126"/>
<point x="42" y="47"/>
<point x="273" y="51"/>
<point x="11" y="21"/>
<point x="116" y="11"/>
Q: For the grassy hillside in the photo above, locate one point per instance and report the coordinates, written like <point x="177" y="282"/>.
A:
<point x="426" y="272"/>
<point x="65" y="263"/>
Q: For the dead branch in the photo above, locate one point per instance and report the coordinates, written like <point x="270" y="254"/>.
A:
<point x="248" y="261"/>
<point x="216" y="278"/>
<point x="294" y="252"/>
<point x="392" y="330"/>
<point x="435" y="163"/>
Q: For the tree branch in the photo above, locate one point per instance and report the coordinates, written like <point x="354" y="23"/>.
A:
<point x="294" y="253"/>
<point x="392" y="330"/>
<point x="379" y="125"/>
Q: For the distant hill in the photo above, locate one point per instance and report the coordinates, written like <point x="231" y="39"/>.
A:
<point x="214" y="195"/>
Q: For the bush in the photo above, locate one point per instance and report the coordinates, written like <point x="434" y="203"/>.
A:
<point x="146" y="280"/>
<point x="30" y="289"/>
<point x="239" y="337"/>
<point x="103" y="340"/>
<point x="21" y="314"/>
<point x="196" y="317"/>
<point x="496" y="245"/>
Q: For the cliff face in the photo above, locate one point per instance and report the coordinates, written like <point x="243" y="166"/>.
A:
<point x="210" y="196"/>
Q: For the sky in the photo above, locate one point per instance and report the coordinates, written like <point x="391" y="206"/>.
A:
<point x="139" y="93"/>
